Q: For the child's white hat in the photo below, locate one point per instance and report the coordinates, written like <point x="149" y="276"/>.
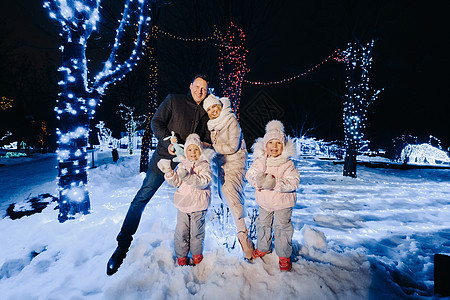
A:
<point x="193" y="139"/>
<point x="211" y="100"/>
<point x="274" y="130"/>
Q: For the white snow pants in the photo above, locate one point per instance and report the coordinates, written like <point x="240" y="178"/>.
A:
<point x="231" y="184"/>
<point x="189" y="233"/>
<point x="282" y="231"/>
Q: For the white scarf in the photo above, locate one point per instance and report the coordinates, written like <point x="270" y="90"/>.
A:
<point x="220" y="122"/>
<point x="276" y="161"/>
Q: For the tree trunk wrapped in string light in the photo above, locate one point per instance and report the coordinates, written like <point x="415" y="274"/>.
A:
<point x="358" y="98"/>
<point x="78" y="97"/>
<point x="152" y="104"/>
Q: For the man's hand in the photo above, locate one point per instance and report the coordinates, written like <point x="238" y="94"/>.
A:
<point x="171" y="150"/>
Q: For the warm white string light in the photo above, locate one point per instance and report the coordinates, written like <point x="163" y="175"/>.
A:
<point x="359" y="96"/>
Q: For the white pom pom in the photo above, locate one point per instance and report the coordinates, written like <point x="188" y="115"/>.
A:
<point x="275" y="125"/>
<point x="225" y="102"/>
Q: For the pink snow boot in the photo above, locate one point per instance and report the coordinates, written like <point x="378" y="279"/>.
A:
<point x="285" y="264"/>
<point x="182" y="261"/>
<point x="197" y="259"/>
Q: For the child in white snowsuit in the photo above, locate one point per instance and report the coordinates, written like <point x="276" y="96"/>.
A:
<point x="229" y="144"/>
<point x="275" y="179"/>
<point x="192" y="177"/>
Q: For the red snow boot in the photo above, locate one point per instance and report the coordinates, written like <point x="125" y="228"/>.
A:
<point x="197" y="259"/>
<point x="182" y="261"/>
<point x="256" y="253"/>
<point x="285" y="264"/>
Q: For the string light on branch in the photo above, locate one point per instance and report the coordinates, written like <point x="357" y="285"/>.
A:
<point x="232" y="64"/>
<point x="78" y="97"/>
<point x="232" y="59"/>
<point x="360" y="94"/>
<point x="132" y="123"/>
<point x="6" y="103"/>
<point x="152" y="105"/>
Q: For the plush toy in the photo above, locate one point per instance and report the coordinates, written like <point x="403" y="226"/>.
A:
<point x="177" y="148"/>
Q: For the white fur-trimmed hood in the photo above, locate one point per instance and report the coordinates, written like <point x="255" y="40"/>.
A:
<point x="259" y="150"/>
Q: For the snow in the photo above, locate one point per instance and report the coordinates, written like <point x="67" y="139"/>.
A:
<point x="424" y="154"/>
<point x="369" y="237"/>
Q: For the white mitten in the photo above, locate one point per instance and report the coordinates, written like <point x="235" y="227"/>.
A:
<point x="259" y="179"/>
<point x="164" y="165"/>
<point x="183" y="174"/>
<point x="269" y="182"/>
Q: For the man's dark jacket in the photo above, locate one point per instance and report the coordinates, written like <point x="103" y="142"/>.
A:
<point x="182" y="115"/>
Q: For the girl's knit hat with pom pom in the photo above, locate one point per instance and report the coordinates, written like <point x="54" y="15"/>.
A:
<point x="193" y="139"/>
<point x="274" y="130"/>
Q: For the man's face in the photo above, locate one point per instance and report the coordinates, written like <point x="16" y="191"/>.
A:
<point x="199" y="89"/>
<point x="193" y="152"/>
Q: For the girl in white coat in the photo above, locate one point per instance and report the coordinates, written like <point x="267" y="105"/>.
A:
<point x="229" y="144"/>
<point x="192" y="178"/>
<point x="275" y="179"/>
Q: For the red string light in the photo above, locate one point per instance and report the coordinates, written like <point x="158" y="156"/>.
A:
<point x="336" y="55"/>
<point x="232" y="64"/>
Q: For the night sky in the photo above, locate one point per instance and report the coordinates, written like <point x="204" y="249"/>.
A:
<point x="410" y="61"/>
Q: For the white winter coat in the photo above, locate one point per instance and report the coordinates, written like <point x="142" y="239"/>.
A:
<point x="282" y="168"/>
<point x="195" y="193"/>
<point x="228" y="142"/>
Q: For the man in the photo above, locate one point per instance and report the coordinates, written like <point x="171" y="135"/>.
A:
<point x="182" y="114"/>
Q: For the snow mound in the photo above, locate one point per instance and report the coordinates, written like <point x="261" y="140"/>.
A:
<point x="314" y="238"/>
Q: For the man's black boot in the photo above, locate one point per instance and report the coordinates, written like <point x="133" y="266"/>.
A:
<point x="116" y="260"/>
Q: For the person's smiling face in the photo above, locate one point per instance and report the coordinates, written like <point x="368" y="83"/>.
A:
<point x="214" y="111"/>
<point x="199" y="89"/>
<point x="274" y="147"/>
<point x="193" y="152"/>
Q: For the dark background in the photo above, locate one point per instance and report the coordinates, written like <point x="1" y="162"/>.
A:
<point x="284" y="39"/>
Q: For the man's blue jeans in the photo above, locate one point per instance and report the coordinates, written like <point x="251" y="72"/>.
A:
<point x="153" y="180"/>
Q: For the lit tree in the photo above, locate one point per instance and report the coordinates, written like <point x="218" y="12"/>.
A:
<point x="152" y="104"/>
<point x="105" y="136"/>
<point x="357" y="99"/>
<point x="78" y="97"/>
<point x="232" y="64"/>
<point x="132" y="123"/>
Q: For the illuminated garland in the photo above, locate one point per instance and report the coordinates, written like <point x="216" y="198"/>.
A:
<point x="232" y="61"/>
<point x="5" y="103"/>
<point x="156" y="30"/>
<point x="77" y="97"/>
<point x="336" y="55"/>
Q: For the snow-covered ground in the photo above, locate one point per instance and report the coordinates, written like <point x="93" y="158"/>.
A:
<point x="371" y="237"/>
